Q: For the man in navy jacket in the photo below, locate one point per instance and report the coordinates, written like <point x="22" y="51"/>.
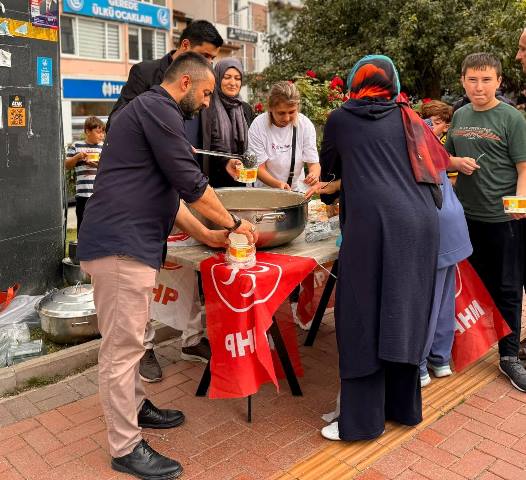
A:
<point x="146" y="167"/>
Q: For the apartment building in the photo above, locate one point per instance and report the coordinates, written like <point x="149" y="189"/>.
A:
<point x="102" y="39"/>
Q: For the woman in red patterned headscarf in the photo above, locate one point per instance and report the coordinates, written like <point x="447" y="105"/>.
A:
<point x="390" y="173"/>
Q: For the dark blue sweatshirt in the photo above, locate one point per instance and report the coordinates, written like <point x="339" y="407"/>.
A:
<point x="146" y="165"/>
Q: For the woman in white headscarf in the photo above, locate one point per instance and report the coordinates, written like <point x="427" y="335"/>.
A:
<point x="227" y="120"/>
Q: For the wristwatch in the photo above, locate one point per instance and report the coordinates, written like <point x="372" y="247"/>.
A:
<point x="237" y="223"/>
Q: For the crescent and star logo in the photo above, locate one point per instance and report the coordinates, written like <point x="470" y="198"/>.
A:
<point x="237" y="290"/>
<point x="76" y="5"/>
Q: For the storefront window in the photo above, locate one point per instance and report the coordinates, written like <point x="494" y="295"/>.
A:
<point x="146" y="44"/>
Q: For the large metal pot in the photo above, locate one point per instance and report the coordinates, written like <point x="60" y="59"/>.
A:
<point x="280" y="215"/>
<point x="68" y="315"/>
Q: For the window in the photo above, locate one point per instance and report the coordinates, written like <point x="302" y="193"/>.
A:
<point x="133" y="43"/>
<point x="90" y="38"/>
<point x="146" y="44"/>
<point x="67" y="39"/>
<point x="235" y="13"/>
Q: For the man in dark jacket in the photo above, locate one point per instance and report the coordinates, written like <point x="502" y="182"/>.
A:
<point x="200" y="37"/>
<point x="147" y="166"/>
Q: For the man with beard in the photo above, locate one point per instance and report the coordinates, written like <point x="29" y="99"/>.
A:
<point x="147" y="165"/>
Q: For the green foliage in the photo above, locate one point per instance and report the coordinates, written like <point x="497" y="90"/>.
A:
<point x="427" y="39"/>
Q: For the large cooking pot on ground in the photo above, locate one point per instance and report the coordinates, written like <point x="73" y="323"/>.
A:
<point x="280" y="215"/>
<point x="68" y="315"/>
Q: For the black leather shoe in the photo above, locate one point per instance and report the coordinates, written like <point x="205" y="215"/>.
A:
<point x="152" y="417"/>
<point x="144" y="462"/>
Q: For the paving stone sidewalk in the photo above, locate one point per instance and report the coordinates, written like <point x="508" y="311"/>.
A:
<point x="58" y="432"/>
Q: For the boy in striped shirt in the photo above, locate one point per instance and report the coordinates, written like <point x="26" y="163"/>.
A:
<point x="84" y="156"/>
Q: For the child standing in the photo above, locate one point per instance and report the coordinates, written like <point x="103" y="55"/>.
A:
<point x="454" y="247"/>
<point x="84" y="157"/>
<point x="487" y="141"/>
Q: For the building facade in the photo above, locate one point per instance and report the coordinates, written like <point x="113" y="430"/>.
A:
<point x="101" y="39"/>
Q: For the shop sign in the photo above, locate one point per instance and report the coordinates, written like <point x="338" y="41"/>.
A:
<point x="126" y="11"/>
<point x="91" y="89"/>
<point x="242" y="35"/>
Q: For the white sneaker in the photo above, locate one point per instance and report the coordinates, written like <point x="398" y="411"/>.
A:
<point x="297" y="321"/>
<point x="425" y="380"/>
<point x="442" y="371"/>
<point x="331" y="432"/>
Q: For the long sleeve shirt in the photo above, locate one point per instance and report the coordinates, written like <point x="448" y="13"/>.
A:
<point x="146" y="166"/>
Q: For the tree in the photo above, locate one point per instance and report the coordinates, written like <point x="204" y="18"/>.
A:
<point x="427" y="39"/>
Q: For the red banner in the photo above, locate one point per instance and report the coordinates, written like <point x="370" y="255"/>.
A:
<point x="239" y="309"/>
<point x="479" y="323"/>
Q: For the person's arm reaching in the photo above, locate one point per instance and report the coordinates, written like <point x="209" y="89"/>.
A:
<point x="164" y="129"/>
<point x="210" y="207"/>
<point x="314" y="174"/>
<point x="191" y="225"/>
<point x="269" y="180"/>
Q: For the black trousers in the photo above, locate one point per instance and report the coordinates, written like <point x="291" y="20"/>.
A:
<point x="498" y="258"/>
<point x="391" y="393"/>
<point x="80" y="205"/>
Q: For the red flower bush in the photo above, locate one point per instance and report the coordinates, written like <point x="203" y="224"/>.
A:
<point x="336" y="83"/>
<point x="310" y="73"/>
<point x="258" y="107"/>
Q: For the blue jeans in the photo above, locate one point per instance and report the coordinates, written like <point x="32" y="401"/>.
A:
<point x="441" y="330"/>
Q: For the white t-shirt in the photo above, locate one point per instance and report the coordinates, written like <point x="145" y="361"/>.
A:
<point x="273" y="145"/>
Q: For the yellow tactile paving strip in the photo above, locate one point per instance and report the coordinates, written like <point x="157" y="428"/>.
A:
<point x="342" y="460"/>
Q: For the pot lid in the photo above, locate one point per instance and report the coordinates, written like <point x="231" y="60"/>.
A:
<point x="69" y="302"/>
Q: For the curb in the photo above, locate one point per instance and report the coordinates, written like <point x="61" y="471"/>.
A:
<point x="63" y="362"/>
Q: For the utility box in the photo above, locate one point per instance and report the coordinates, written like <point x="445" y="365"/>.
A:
<point x="32" y="200"/>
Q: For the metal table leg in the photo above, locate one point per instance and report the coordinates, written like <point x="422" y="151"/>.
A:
<point x="320" y="311"/>
<point x="204" y="383"/>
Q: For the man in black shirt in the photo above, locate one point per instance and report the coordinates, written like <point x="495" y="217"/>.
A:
<point x="146" y="167"/>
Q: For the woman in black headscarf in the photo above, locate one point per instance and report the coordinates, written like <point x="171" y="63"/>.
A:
<point x="227" y="120"/>
<point x="388" y="161"/>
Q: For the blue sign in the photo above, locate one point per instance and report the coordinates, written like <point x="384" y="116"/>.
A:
<point x="91" y="89"/>
<point x="127" y="11"/>
<point x="45" y="71"/>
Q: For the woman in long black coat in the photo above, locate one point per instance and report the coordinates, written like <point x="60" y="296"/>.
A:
<point x="389" y="173"/>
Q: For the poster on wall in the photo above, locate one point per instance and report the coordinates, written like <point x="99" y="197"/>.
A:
<point x="45" y="71"/>
<point x="16" y="111"/>
<point x="44" y="13"/>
